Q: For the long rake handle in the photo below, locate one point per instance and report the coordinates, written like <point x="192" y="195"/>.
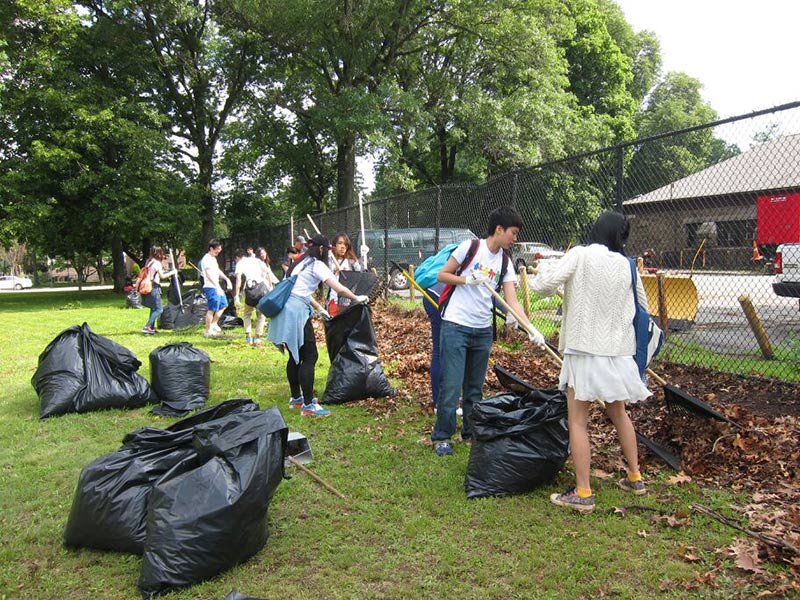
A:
<point x="316" y="477"/>
<point x="411" y="280"/>
<point x="521" y="320"/>
<point x="517" y="316"/>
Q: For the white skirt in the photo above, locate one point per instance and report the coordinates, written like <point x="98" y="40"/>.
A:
<point x="606" y="378"/>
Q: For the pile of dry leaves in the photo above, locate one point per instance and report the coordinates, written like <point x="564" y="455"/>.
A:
<point x="760" y="459"/>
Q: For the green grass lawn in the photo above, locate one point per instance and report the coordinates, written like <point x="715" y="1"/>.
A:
<point x="405" y="530"/>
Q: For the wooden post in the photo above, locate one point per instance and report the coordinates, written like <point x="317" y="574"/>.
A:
<point x="526" y="293"/>
<point x="756" y="326"/>
<point x="411" y="288"/>
<point x="663" y="317"/>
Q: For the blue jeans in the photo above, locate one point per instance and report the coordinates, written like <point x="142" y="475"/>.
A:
<point x="436" y="326"/>
<point x="156" y="306"/>
<point x="464" y="360"/>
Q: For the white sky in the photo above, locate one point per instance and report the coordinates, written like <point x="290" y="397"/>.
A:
<point x="746" y="53"/>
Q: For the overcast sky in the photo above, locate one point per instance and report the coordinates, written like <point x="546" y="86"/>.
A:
<point x="744" y="52"/>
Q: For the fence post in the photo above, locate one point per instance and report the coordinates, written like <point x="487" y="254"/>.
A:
<point x="620" y="179"/>
<point x="386" y="245"/>
<point x="514" y="190"/>
<point x="758" y="328"/>
<point x="438" y="219"/>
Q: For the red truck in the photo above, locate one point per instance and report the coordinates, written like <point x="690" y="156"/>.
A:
<point x="778" y="235"/>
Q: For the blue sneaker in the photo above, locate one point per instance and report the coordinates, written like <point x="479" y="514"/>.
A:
<point x="314" y="410"/>
<point x="443" y="448"/>
<point x="248" y="340"/>
<point x="296" y="402"/>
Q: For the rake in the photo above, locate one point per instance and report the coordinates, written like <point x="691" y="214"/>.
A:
<point x="680" y="403"/>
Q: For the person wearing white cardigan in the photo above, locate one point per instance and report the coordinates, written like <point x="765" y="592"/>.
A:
<point x="598" y="343"/>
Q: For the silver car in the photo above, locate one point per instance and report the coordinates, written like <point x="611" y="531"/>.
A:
<point x="12" y="282"/>
<point x="528" y="254"/>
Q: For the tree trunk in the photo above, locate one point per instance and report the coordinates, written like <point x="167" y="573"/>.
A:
<point x="205" y="164"/>
<point x="346" y="172"/>
<point x="441" y="135"/>
<point x="118" y="260"/>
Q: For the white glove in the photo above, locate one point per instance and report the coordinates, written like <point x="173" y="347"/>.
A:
<point x="535" y="336"/>
<point x="325" y="314"/>
<point x="476" y="277"/>
<point x="362" y="300"/>
<point x="511" y="322"/>
<point x="237" y="301"/>
<point x="364" y="249"/>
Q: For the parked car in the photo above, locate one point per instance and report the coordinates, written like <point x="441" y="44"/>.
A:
<point x="528" y="254"/>
<point x="406" y="247"/>
<point x="12" y="282"/>
<point x="787" y="271"/>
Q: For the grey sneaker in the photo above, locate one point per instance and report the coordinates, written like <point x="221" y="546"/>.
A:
<point x="635" y="487"/>
<point x="570" y="499"/>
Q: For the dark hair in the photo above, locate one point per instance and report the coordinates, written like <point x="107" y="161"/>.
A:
<point x="240" y="253"/>
<point x="505" y="217"/>
<point x="291" y="250"/>
<point x="258" y="252"/>
<point x="611" y="230"/>
<point x="318" y="248"/>
<point x="157" y="253"/>
<point x="349" y="253"/>
<point x="214" y="243"/>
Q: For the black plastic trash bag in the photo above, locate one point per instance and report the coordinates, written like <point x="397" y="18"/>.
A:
<point x="180" y="375"/>
<point x="109" y="508"/>
<point x="133" y="300"/>
<point x="520" y="443"/>
<point x="209" y="512"/>
<point x="80" y="371"/>
<point x="355" y="373"/>
<point x="192" y="312"/>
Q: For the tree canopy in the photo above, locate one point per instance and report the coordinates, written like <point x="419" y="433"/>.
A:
<point x="130" y="122"/>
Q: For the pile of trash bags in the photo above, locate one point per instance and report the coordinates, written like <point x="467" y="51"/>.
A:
<point x="355" y="372"/>
<point x="192" y="499"/>
<point x="180" y="375"/>
<point x="520" y="442"/>
<point x="80" y="371"/>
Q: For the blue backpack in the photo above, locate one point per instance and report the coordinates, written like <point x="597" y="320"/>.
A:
<point x="649" y="337"/>
<point x="426" y="272"/>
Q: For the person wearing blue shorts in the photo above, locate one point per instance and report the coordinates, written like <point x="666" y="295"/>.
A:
<point x="213" y="291"/>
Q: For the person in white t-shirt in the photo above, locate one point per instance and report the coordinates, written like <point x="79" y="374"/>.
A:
<point x="466" y="330"/>
<point x="292" y="329"/>
<point x="253" y="271"/>
<point x="215" y="296"/>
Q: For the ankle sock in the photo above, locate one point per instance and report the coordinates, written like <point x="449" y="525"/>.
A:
<point x="634" y="476"/>
<point x="583" y="492"/>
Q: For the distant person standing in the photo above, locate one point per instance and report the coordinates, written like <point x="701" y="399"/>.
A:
<point x="293" y="252"/>
<point x="254" y="273"/>
<point x="342" y="258"/>
<point x="209" y="269"/>
<point x="153" y="300"/>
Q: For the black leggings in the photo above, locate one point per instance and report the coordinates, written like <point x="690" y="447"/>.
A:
<point x="301" y="376"/>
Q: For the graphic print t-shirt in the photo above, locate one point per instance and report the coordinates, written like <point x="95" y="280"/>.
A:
<point x="471" y="305"/>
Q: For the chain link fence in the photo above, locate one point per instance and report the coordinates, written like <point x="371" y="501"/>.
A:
<point x="709" y="207"/>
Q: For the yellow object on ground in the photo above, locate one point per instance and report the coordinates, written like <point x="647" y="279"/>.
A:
<point x="680" y="297"/>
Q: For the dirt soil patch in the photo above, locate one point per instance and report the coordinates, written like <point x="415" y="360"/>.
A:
<point x="761" y="459"/>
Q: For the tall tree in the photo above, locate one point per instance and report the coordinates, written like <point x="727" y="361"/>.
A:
<point x="335" y="58"/>
<point x="675" y="103"/>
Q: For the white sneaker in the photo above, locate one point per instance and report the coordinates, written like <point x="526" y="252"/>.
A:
<point x="460" y="412"/>
<point x="215" y="328"/>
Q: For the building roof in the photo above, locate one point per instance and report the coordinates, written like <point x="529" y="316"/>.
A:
<point x="773" y="165"/>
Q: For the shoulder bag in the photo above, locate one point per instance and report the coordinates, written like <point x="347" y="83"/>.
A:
<point x="273" y="303"/>
<point x="649" y="337"/>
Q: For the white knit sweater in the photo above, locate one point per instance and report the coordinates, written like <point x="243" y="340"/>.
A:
<point x="598" y="300"/>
